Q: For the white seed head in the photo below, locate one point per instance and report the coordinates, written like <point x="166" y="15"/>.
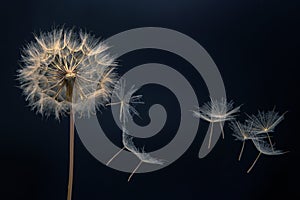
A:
<point x="243" y="132"/>
<point x="140" y="153"/>
<point x="265" y="148"/>
<point x="217" y="111"/>
<point x="126" y="99"/>
<point x="63" y="70"/>
<point x="265" y="122"/>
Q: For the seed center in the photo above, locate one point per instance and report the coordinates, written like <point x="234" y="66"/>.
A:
<point x="70" y="75"/>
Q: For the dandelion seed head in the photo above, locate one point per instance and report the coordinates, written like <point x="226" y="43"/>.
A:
<point x="240" y="131"/>
<point x="63" y="69"/>
<point x="140" y="153"/>
<point x="265" y="122"/>
<point x="265" y="148"/>
<point x="126" y="99"/>
<point x="243" y="132"/>
<point x="217" y="111"/>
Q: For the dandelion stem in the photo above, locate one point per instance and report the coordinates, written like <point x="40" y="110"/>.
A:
<point x="269" y="138"/>
<point x="69" y="94"/>
<point x="135" y="170"/>
<point x="115" y="156"/>
<point x="223" y="136"/>
<point x="254" y="162"/>
<point x="210" y="135"/>
<point x="243" y="145"/>
<point x="71" y="156"/>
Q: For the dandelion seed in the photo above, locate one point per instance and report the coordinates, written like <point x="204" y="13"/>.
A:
<point x="264" y="148"/>
<point x="127" y="100"/>
<point x="66" y="73"/>
<point x="243" y="132"/>
<point x="141" y="154"/>
<point x="265" y="122"/>
<point x="216" y="111"/>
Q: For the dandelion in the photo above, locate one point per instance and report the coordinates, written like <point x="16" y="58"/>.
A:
<point x="67" y="73"/>
<point x="243" y="132"/>
<point x="265" y="122"/>
<point x="216" y="111"/>
<point x="264" y="148"/>
<point x="127" y="100"/>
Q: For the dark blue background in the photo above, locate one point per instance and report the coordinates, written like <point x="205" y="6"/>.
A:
<point x="255" y="45"/>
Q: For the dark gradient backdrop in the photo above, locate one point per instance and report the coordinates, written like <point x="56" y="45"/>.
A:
<point x="255" y="45"/>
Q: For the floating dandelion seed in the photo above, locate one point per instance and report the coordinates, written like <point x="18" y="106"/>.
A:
<point x="141" y="154"/>
<point x="243" y="132"/>
<point x="265" y="122"/>
<point x="66" y="73"/>
<point x="216" y="111"/>
<point x="126" y="102"/>
<point x="264" y="148"/>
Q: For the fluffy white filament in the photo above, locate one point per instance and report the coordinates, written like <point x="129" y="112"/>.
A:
<point x="60" y="59"/>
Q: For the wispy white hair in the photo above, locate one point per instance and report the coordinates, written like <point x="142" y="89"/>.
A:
<point x="55" y="55"/>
